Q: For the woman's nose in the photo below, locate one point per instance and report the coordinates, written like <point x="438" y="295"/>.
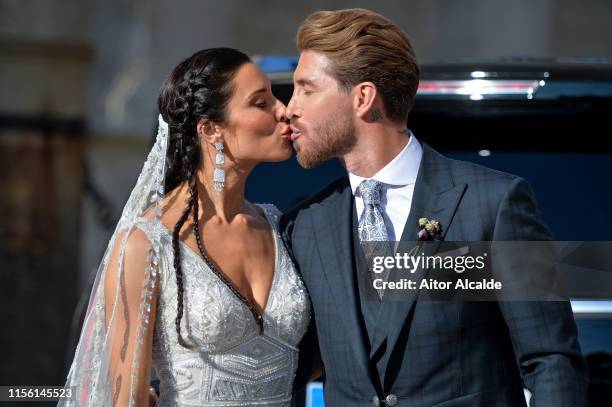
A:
<point x="281" y="112"/>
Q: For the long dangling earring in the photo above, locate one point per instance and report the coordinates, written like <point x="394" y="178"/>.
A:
<point x="219" y="174"/>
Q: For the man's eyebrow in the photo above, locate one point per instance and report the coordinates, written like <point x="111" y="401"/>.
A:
<point x="304" y="82"/>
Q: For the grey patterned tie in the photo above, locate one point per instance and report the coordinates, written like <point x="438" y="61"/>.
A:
<point x="372" y="226"/>
<point x="371" y="223"/>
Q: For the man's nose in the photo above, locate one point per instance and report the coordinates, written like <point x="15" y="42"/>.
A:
<point x="292" y="109"/>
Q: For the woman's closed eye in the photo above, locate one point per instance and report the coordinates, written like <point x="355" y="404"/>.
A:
<point x="261" y="103"/>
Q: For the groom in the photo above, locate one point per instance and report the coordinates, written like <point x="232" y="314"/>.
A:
<point x="354" y="87"/>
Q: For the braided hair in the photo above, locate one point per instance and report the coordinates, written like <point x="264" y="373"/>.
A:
<point x="199" y="87"/>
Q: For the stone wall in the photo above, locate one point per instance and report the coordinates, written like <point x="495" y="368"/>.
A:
<point x="42" y="129"/>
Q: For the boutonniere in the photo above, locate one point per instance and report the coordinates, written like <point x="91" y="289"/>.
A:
<point x="429" y="229"/>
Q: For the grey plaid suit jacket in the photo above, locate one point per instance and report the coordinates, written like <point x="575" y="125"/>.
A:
<point x="439" y="354"/>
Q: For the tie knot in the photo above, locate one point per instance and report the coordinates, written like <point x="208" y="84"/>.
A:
<point x="370" y="191"/>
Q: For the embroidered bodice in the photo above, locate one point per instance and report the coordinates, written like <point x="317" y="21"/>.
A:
<point x="231" y="363"/>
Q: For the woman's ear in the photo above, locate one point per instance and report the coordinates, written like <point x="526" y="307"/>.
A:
<point x="208" y="131"/>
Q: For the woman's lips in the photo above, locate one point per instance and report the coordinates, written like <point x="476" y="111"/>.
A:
<point x="286" y="133"/>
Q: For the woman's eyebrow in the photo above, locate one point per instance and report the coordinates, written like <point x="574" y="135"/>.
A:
<point x="261" y="90"/>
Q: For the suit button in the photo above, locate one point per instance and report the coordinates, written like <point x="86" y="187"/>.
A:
<point x="375" y="401"/>
<point x="391" y="400"/>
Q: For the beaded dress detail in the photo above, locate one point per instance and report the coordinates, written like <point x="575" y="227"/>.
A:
<point x="233" y="362"/>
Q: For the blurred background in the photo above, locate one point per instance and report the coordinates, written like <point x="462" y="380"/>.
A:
<point x="79" y="81"/>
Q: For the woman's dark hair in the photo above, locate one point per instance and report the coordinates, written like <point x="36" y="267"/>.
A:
<point x="199" y="87"/>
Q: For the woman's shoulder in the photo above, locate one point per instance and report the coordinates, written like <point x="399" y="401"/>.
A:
<point x="271" y="210"/>
<point x="162" y="219"/>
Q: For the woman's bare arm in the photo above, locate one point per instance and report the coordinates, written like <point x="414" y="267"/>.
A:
<point x="123" y="297"/>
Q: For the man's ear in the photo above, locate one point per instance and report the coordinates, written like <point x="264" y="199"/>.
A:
<point x="208" y="131"/>
<point x="366" y="102"/>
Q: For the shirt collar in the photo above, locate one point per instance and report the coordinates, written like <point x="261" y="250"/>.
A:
<point x="400" y="171"/>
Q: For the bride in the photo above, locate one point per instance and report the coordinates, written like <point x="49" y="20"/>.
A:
<point x="196" y="282"/>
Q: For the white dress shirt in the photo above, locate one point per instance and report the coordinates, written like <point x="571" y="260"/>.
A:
<point x="398" y="178"/>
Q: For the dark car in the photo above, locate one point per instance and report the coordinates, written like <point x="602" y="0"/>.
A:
<point x="544" y="120"/>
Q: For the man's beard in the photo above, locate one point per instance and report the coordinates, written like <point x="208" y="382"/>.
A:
<point x="328" y="140"/>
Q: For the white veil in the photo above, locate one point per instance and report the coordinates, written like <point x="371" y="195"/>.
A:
<point x="112" y="365"/>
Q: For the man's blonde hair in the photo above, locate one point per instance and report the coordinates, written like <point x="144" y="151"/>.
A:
<point x="365" y="46"/>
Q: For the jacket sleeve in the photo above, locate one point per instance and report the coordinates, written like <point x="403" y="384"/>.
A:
<point x="309" y="360"/>
<point x="543" y="333"/>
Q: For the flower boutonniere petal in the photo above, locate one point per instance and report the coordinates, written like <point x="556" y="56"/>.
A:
<point x="429" y="229"/>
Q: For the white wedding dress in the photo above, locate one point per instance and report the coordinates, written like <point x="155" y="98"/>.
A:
<point x="232" y="363"/>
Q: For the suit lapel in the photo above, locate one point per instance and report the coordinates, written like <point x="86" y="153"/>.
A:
<point x="332" y="229"/>
<point x="435" y="197"/>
